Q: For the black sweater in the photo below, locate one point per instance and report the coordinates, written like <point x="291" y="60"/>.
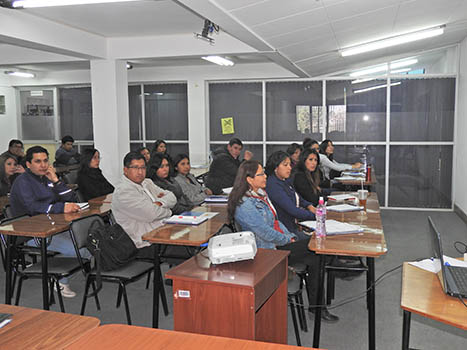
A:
<point x="305" y="189"/>
<point x="92" y="184"/>
<point x="222" y="172"/>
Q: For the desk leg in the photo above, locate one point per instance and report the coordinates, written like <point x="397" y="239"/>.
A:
<point x="406" y="330"/>
<point x="317" y="329"/>
<point x="371" y="303"/>
<point x="156" y="287"/>
<point x="9" y="244"/>
<point x="45" y="273"/>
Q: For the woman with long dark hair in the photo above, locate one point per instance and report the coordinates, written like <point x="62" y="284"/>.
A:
<point x="307" y="178"/>
<point x="159" y="173"/>
<point x="8" y="168"/>
<point x="329" y="166"/>
<point x="251" y="208"/>
<point x="91" y="181"/>
<point x="294" y="151"/>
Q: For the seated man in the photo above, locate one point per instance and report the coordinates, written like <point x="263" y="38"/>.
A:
<point x="225" y="165"/>
<point x="16" y="149"/>
<point x="39" y="191"/>
<point x="138" y="204"/>
<point x="66" y="154"/>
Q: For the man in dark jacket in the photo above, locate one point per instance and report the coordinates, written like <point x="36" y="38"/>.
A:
<point x="225" y="165"/>
<point x="66" y="154"/>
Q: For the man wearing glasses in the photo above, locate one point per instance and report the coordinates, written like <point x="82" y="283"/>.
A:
<point x="138" y="204"/>
<point x="16" y="149"/>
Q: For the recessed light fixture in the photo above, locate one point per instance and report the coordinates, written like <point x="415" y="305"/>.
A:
<point x="20" y="74"/>
<point x="221" y="61"/>
<point x="48" y="3"/>
<point x="129" y="66"/>
<point x="392" y="41"/>
<point x="375" y="87"/>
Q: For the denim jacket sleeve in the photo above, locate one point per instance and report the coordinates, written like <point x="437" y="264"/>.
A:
<point x="249" y="217"/>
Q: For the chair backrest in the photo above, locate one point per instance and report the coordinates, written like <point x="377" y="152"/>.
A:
<point x="71" y="177"/>
<point x="7" y="212"/>
<point x="79" y="229"/>
<point x="3" y="238"/>
<point x="80" y="196"/>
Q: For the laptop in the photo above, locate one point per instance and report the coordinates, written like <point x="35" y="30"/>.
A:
<point x="453" y="278"/>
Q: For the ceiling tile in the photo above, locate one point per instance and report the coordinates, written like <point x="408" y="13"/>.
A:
<point x="377" y="18"/>
<point x="310" y="48"/>
<point x="298" y="36"/>
<point x="351" y="8"/>
<point x="237" y="4"/>
<point x="363" y="34"/>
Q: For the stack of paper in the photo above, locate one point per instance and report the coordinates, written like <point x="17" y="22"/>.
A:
<point x="341" y="197"/>
<point x="353" y="173"/>
<point x="217" y="199"/>
<point x="349" y="178"/>
<point x="343" y="208"/>
<point x="227" y="190"/>
<point x="83" y="206"/>
<point x="334" y="227"/>
<point x="185" y="220"/>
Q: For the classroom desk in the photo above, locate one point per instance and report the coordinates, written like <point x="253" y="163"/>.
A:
<point x="352" y="183"/>
<point x="66" y="168"/>
<point x="42" y="226"/>
<point x="124" y="337"/>
<point x="370" y="244"/>
<point x="33" y="329"/>
<point x="170" y="234"/>
<point x="102" y="199"/>
<point x="245" y="299"/>
<point x="422" y="294"/>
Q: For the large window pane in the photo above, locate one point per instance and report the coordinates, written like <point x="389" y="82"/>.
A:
<point x="37" y="115"/>
<point x="293" y="110"/>
<point x="375" y="155"/>
<point x="356" y="112"/>
<point x="240" y="101"/>
<point x="176" y="148"/>
<point x="420" y="176"/>
<point x="166" y="111"/>
<point x="134" y="104"/>
<point x="423" y="109"/>
<point x="76" y="112"/>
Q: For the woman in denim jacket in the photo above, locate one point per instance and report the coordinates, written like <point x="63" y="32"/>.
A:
<point x="251" y="208"/>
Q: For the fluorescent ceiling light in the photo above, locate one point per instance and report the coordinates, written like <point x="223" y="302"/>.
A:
<point x="218" y="60"/>
<point x="20" y="74"/>
<point x="384" y="67"/>
<point x="48" y="3"/>
<point x="402" y="70"/>
<point x="393" y="41"/>
<point x="375" y="87"/>
<point x="358" y="81"/>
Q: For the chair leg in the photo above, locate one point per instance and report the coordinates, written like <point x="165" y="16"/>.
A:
<point x="301" y="312"/>
<point x="13" y="283"/>
<point x="148" y="280"/>
<point x="119" y="296"/>
<point x="60" y="297"/>
<point x="163" y="296"/>
<point x="294" y="321"/>
<point x="18" y="291"/>
<point x="125" y="301"/>
<point x="85" y="296"/>
<point x="51" y="293"/>
<point x="96" y="298"/>
<point x="330" y="287"/>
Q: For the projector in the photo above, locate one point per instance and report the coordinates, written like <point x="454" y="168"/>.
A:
<point x="232" y="247"/>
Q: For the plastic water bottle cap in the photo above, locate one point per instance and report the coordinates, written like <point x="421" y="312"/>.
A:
<point x="321" y="200"/>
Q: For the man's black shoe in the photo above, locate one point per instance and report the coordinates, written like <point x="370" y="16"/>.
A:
<point x="326" y="316"/>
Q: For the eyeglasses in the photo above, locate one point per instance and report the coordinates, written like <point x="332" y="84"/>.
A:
<point x="137" y="167"/>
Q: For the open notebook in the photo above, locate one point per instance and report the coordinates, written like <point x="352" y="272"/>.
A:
<point x="334" y="227"/>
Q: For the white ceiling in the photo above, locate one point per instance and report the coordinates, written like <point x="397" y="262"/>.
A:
<point x="306" y="34"/>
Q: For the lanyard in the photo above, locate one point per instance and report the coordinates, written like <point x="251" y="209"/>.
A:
<point x="276" y="221"/>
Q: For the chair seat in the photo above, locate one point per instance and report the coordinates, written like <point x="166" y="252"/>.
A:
<point x="129" y="271"/>
<point x="293" y="285"/>
<point x="298" y="267"/>
<point x="56" y="266"/>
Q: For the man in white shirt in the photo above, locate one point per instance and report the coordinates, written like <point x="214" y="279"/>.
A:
<point x="138" y="205"/>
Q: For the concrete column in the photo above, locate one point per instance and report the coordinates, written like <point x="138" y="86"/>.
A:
<point x="198" y="121"/>
<point x="109" y="86"/>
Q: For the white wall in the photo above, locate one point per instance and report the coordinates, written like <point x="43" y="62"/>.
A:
<point x="446" y="64"/>
<point x="460" y="197"/>
<point x="8" y="121"/>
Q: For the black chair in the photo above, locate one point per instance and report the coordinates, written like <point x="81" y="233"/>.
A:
<point x="71" y="177"/>
<point x="295" y="300"/>
<point x="79" y="195"/>
<point x="127" y="274"/>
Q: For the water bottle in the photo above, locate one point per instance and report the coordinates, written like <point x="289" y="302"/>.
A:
<point x="321" y="219"/>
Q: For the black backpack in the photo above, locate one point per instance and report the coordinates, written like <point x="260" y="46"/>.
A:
<point x="111" y="247"/>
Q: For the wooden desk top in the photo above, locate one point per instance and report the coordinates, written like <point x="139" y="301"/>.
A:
<point x="32" y="329"/>
<point x="197" y="235"/>
<point x="246" y="273"/>
<point x="422" y="294"/>
<point x="44" y="225"/>
<point x="124" y="337"/>
<point x="102" y="199"/>
<point x="370" y="242"/>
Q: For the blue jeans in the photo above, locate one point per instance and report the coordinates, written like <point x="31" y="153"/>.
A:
<point x="62" y="243"/>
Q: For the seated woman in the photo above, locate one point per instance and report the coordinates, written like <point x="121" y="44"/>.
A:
<point x="251" y="208"/>
<point x="158" y="172"/>
<point x="145" y="152"/>
<point x="310" y="143"/>
<point x="328" y="165"/>
<point x="8" y="168"/>
<point x="307" y="178"/>
<point x="294" y="151"/>
<point x="290" y="205"/>
<point x="91" y="181"/>
<point x="195" y="192"/>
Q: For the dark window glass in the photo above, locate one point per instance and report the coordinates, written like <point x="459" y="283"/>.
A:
<point x="420" y="176"/>
<point x="294" y="111"/>
<point x="176" y="148"/>
<point x="423" y="109"/>
<point x="76" y="112"/>
<point x="135" y="146"/>
<point x="270" y="149"/>
<point x="240" y="101"/>
<point x="166" y="111"/>
<point x="356" y="112"/>
<point x="37" y="115"/>
<point x="134" y="104"/>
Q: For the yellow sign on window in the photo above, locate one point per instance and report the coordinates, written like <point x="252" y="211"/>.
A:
<point x="227" y="125"/>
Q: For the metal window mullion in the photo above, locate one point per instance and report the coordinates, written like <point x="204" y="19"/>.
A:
<point x="388" y="141"/>
<point x="143" y="115"/>
<point x="325" y="113"/>
<point x="263" y="98"/>
<point x="454" y="134"/>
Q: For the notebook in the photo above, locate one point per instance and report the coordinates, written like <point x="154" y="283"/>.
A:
<point x="453" y="278"/>
<point x="343" y="208"/>
<point x="341" y="197"/>
<point x="216" y="199"/>
<point x="186" y="219"/>
<point x="334" y="227"/>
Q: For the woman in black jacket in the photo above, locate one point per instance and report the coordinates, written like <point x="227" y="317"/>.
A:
<point x="91" y="181"/>
<point x="307" y="178"/>
<point x="159" y="173"/>
<point x="8" y="167"/>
